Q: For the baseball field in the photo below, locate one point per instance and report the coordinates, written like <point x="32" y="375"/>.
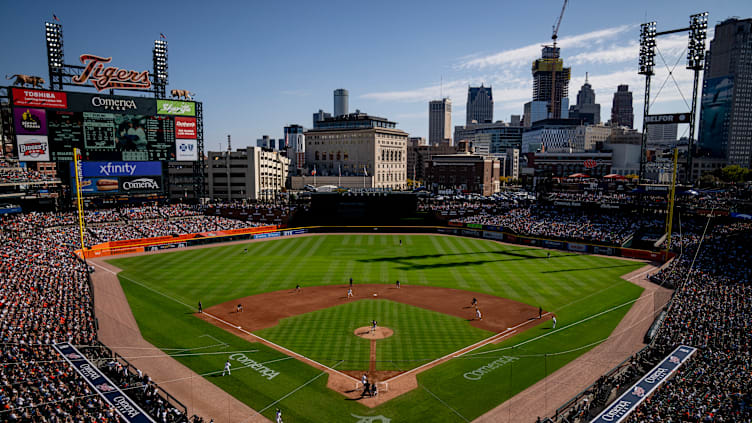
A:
<point x="287" y="346"/>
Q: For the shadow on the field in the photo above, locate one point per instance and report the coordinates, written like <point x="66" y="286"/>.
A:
<point x="587" y="268"/>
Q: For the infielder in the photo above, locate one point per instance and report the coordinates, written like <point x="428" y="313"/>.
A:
<point x="373" y="326"/>
<point x="200" y="309"/>
<point x="349" y="293"/>
<point x="227" y="368"/>
<point x="477" y="314"/>
<point x="279" y="416"/>
<point x="297" y="288"/>
<point x="240" y="308"/>
<point x="554" y="326"/>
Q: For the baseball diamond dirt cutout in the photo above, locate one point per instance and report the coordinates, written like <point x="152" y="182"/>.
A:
<point x="502" y="316"/>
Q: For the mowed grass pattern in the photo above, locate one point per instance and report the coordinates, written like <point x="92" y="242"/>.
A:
<point x="420" y="335"/>
<point x="163" y="290"/>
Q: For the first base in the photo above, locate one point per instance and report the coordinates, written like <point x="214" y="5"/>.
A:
<point x="375" y="295"/>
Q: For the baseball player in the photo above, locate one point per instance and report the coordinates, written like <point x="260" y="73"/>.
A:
<point x="200" y="308"/>
<point x="297" y="288"/>
<point x="400" y="243"/>
<point x="477" y="314"/>
<point x="278" y="416"/>
<point x="540" y="312"/>
<point x="398" y="284"/>
<point x="245" y="250"/>
<point x="373" y="326"/>
<point x="554" y="326"/>
<point x="364" y="379"/>
<point x="240" y="308"/>
<point x="474" y="302"/>
<point x="349" y="293"/>
<point x="548" y="255"/>
<point x="227" y="368"/>
<point x="350" y="282"/>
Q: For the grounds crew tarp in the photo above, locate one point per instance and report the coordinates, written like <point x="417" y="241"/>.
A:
<point x="628" y="401"/>
<point x="108" y="390"/>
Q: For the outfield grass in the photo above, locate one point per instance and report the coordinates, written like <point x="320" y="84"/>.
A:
<point x="420" y="335"/>
<point x="163" y="289"/>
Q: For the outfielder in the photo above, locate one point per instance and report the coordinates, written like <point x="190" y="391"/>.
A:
<point x="278" y="416"/>
<point x="554" y="326"/>
<point x="227" y="368"/>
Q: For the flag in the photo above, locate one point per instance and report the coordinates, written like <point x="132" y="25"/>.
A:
<point x="365" y="172"/>
<point x="339" y="167"/>
<point x="313" y="172"/>
<point x="54" y="16"/>
<point x="161" y="35"/>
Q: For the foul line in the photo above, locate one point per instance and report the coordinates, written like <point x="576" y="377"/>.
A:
<point x="275" y="346"/>
<point x="445" y="404"/>
<point x="467" y="349"/>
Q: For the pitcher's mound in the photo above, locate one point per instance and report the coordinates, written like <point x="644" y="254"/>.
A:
<point x="380" y="333"/>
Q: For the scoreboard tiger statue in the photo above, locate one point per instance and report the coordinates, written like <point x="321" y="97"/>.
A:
<point x="23" y="80"/>
<point x="182" y="94"/>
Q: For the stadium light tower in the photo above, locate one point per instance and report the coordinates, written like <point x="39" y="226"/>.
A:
<point x="698" y="33"/>
<point x="54" y="37"/>
<point x="647" y="65"/>
<point x="160" y="68"/>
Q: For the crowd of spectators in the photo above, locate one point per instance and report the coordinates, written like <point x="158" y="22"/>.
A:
<point x="710" y="310"/>
<point x="553" y="222"/>
<point x="46" y="298"/>
<point x="11" y="172"/>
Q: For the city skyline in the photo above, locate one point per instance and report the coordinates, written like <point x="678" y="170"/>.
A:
<point x="250" y="89"/>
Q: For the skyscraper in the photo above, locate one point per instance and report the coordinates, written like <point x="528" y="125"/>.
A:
<point x="341" y="102"/>
<point x="586" y="108"/>
<point x="549" y="73"/>
<point x="622" y="113"/>
<point x="726" y="114"/>
<point x="440" y="121"/>
<point x="479" y="105"/>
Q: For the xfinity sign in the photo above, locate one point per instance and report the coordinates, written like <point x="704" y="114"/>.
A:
<point x="112" y="169"/>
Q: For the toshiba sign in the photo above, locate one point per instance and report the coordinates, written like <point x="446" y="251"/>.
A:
<point x="185" y="128"/>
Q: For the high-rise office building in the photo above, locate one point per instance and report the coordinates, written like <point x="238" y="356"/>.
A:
<point x="295" y="144"/>
<point x="586" y="109"/>
<point x="726" y="116"/>
<point x="550" y="74"/>
<point x="341" y="102"/>
<point x="622" y="112"/>
<point x="319" y="116"/>
<point x="440" y="121"/>
<point x="479" y="105"/>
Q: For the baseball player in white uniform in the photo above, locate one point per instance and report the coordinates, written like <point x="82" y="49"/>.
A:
<point x="554" y="326"/>
<point x="478" y="315"/>
<point x="227" y="368"/>
<point x="349" y="293"/>
<point x="278" y="416"/>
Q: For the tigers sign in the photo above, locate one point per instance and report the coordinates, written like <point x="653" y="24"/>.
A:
<point x="103" y="78"/>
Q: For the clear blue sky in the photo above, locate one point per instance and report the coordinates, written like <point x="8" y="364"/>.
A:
<point x="258" y="66"/>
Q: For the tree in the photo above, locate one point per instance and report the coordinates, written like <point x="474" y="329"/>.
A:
<point x="734" y="173"/>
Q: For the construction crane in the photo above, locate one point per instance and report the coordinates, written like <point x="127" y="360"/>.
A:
<point x="554" y="36"/>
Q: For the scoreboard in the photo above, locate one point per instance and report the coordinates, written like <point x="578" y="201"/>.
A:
<point x="50" y="124"/>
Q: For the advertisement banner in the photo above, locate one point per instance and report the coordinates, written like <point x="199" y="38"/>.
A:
<point x="475" y="225"/>
<point x="493" y="228"/>
<point x="99" y="103"/>
<point x="109" y="169"/>
<point x="553" y="244"/>
<point x="33" y="148"/>
<point x="185" y="128"/>
<point x="468" y="232"/>
<point x="580" y="248"/>
<point x="186" y="150"/>
<point x="29" y="121"/>
<point x="267" y="235"/>
<point x="38" y="98"/>
<point x="103" y="386"/>
<point x="177" y="108"/>
<point x="603" y="250"/>
<point x="493" y="235"/>
<point x="622" y="406"/>
<point x="140" y="184"/>
<point x="742" y="216"/>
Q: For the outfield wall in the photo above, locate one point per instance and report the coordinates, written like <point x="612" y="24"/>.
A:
<point x="495" y="233"/>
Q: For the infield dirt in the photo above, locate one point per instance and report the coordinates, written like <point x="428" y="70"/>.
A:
<point x="266" y="310"/>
